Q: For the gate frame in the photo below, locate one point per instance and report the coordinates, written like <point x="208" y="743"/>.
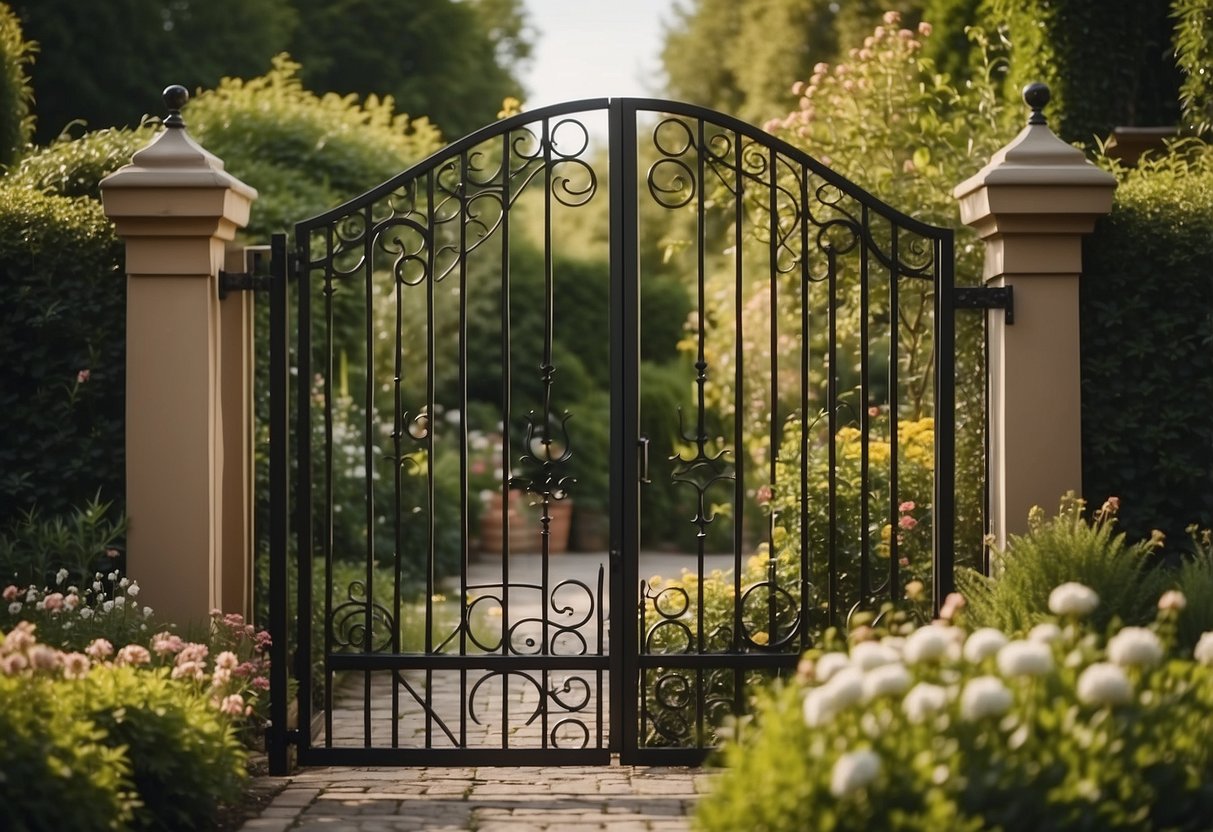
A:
<point x="624" y="466"/>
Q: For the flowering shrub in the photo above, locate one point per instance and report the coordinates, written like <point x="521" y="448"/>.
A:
<point x="71" y="616"/>
<point x="941" y="727"/>
<point x="159" y="721"/>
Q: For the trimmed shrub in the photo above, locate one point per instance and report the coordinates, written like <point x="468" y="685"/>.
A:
<point x="1146" y="303"/>
<point x="63" y="352"/>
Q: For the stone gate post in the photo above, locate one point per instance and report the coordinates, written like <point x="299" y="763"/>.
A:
<point x="1031" y="205"/>
<point x="188" y="422"/>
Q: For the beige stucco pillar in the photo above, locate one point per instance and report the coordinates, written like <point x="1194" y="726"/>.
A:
<point x="189" y="543"/>
<point x="1031" y="205"/>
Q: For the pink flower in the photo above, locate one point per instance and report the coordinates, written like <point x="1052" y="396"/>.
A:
<point x="953" y="604"/>
<point x="907" y="522"/>
<point x="891" y="18"/>
<point x="192" y="652"/>
<point x="260" y="683"/>
<point x="20" y="638"/>
<point x="71" y="601"/>
<point x="924" y="29"/>
<point x="226" y="660"/>
<point x="908" y="505"/>
<point x="11" y="592"/>
<point x="232" y="705"/>
<point x="189" y="670"/>
<point x="82" y="376"/>
<point x="112" y="553"/>
<point x="14" y="664"/>
<point x="165" y="643"/>
<point x="75" y="665"/>
<point x="99" y="650"/>
<point x="42" y="657"/>
<point x="263" y="640"/>
<point x="763" y="495"/>
<point x="53" y="602"/>
<point x="873" y="411"/>
<point x="134" y="655"/>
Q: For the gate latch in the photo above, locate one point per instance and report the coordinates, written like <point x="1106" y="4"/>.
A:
<point x="986" y="297"/>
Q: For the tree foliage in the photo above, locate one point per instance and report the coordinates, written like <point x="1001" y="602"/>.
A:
<point x="105" y="63"/>
<point x="451" y="61"/>
<point x="1194" y="54"/>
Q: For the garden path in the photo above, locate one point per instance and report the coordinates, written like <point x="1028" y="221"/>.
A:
<point x="486" y="798"/>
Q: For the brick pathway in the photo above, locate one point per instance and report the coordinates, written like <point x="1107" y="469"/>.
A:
<point x="484" y="799"/>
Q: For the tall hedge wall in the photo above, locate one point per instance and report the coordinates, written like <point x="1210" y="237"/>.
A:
<point x="62" y="353"/>
<point x="1147" y="349"/>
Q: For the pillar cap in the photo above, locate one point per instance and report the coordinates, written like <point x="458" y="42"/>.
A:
<point x="1036" y="157"/>
<point x="174" y="160"/>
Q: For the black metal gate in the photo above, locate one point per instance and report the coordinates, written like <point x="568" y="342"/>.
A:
<point x="794" y="466"/>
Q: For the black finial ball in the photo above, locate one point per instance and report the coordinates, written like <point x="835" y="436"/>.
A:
<point x="1036" y="95"/>
<point x="175" y="97"/>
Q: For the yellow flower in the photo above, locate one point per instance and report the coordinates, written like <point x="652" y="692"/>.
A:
<point x="760" y="638"/>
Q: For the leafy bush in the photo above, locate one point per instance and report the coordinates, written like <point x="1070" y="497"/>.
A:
<point x="1146" y="306"/>
<point x="61" y="344"/>
<point x="185" y="758"/>
<point x="58" y="772"/>
<point x="161" y="720"/>
<point x="76" y="166"/>
<point x="1059" y="549"/>
<point x="943" y="728"/>
<point x="71" y="616"/>
<point x="34" y="550"/>
<point x="16" y="54"/>
<point x="1194" y="53"/>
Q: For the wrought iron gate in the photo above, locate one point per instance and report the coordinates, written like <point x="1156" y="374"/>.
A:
<point x="424" y="330"/>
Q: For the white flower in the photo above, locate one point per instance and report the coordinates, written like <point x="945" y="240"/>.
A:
<point x="112" y="576"/>
<point x="846" y="687"/>
<point x="868" y="655"/>
<point x="107" y="606"/>
<point x="923" y="700"/>
<point x="147" y="612"/>
<point x="1104" y="684"/>
<point x="1025" y="658"/>
<point x="133" y="589"/>
<point x="86" y="612"/>
<point x="60" y="577"/>
<point x="14" y="608"/>
<point x="1135" y="647"/>
<point x="854" y="771"/>
<point x="886" y="680"/>
<point x="1204" y="649"/>
<point x="31" y="596"/>
<point x="821" y="704"/>
<point x="1045" y="633"/>
<point x="984" y="696"/>
<point x="1173" y="600"/>
<point x="927" y="644"/>
<point x="124" y="583"/>
<point x="983" y="643"/>
<point x="119" y="601"/>
<point x="1074" y="599"/>
<point x="829" y="664"/>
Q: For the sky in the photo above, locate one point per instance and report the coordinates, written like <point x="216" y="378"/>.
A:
<point x="591" y="48"/>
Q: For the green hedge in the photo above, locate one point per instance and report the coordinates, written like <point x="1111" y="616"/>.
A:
<point x="63" y="353"/>
<point x="1107" y="64"/>
<point x="1147" y="348"/>
<point x="16" y="53"/>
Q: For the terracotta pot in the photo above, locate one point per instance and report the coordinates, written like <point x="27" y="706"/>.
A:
<point x="525" y="525"/>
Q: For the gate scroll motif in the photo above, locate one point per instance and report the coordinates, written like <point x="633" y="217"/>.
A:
<point x="428" y="336"/>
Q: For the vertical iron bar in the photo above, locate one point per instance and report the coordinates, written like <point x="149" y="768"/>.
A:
<point x="774" y="435"/>
<point x="739" y="447"/>
<point x="945" y="421"/>
<point x="627" y="606"/>
<point x="397" y="482"/>
<point x="506" y="407"/>
<point x="865" y="425"/>
<point x="464" y="560"/>
<point x="894" y="401"/>
<point x="545" y="517"/>
<point x="832" y="581"/>
<point x="803" y="502"/>
<point x="701" y="366"/>
<point x="303" y="482"/>
<point x="431" y="425"/>
<point x="369" y="463"/>
<point x="329" y="289"/>
<point x="279" y="476"/>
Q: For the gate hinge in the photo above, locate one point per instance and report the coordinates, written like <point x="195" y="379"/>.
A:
<point x="986" y="297"/>
<point x="254" y="278"/>
<point x="241" y="282"/>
